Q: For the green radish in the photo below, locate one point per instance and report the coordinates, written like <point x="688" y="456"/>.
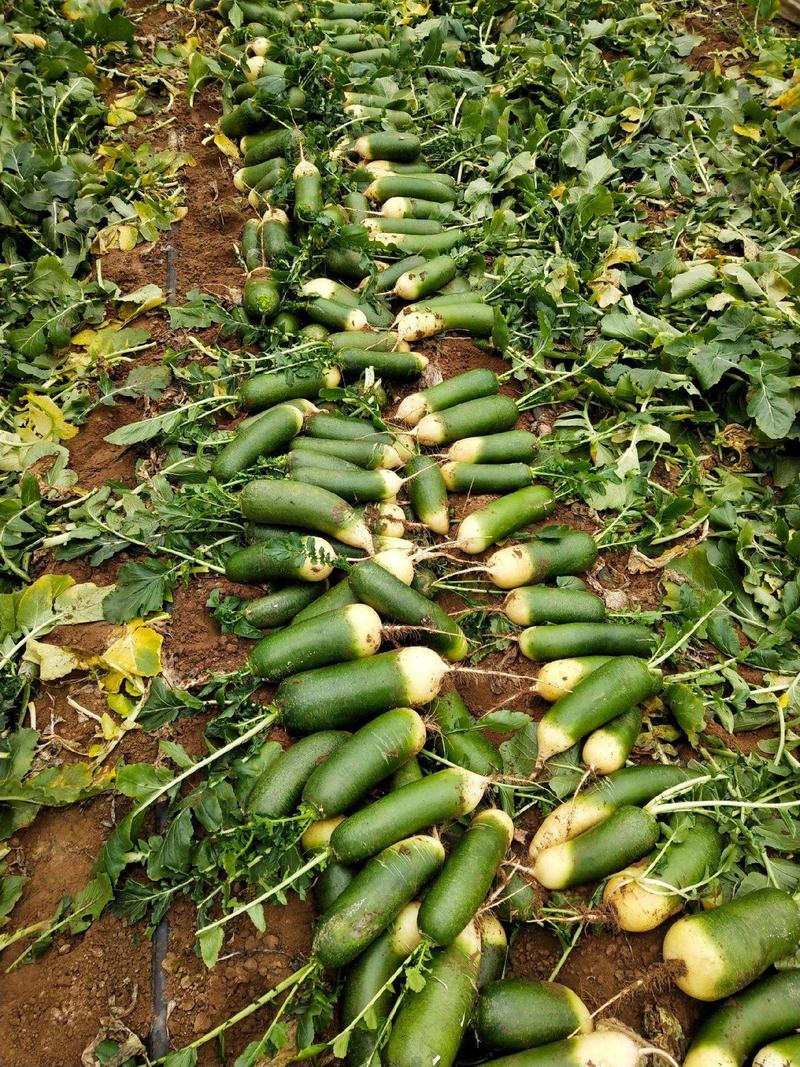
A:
<point x="513" y="446"/>
<point x="767" y="1010"/>
<point x="376" y="56"/>
<point x="721" y="951"/>
<point x="288" y="503"/>
<point x="357" y="206"/>
<point x="518" y="1013"/>
<point x="394" y="147"/>
<point x="274" y="387"/>
<point x="373" y="585"/>
<point x="400" y="120"/>
<point x="471" y="385"/>
<point x="615" y="687"/>
<point x="335" y="315"/>
<point x="436" y="798"/>
<point x="276" y="239"/>
<point x="330" y="885"/>
<point x="783" y="1053"/>
<point x="414" y="207"/>
<point x="280" y="607"/>
<point x="504" y="516"/>
<point x="374" y="898"/>
<point x="385" y="281"/>
<point x="330" y="290"/>
<point x="420" y="186"/>
<point x="645" y="895"/>
<point x="268" y="434"/>
<point x="367" y="976"/>
<point x="427" y="493"/>
<point x="430" y="1025"/>
<point x="396" y="562"/>
<point x="263" y="532"/>
<point x="429" y="278"/>
<point x="632" y="785"/>
<point x="393" y="365"/>
<point x="486" y="477"/>
<point x="369" y="453"/>
<point x="519" y="901"/>
<point x="298" y="459"/>
<point x="561" y="640"/>
<point x="314" y="331"/>
<point x="424" y="582"/>
<point x="462" y="741"/>
<point x="277" y="791"/>
<point x="468" y="316"/>
<point x="626" y="835"/>
<point x="262" y="147"/>
<point x="372" y="340"/>
<point x="356" y="486"/>
<point x="487" y="414"/>
<point x="260" y="296"/>
<point x="307" y="191"/>
<point x="402" y="226"/>
<point x="461" y="298"/>
<point x="536" y="561"/>
<point x="351" y="263"/>
<point x="383" y="103"/>
<point x="606" y="749"/>
<point x="352" y="42"/>
<point x="352" y="632"/>
<point x="603" y="1048"/>
<point x="345" y="428"/>
<point x="352" y="693"/>
<point x="462" y="884"/>
<point x="405" y="775"/>
<point x="375" y="168"/>
<point x="532" y="605"/>
<point x="371" y="755"/>
<point x="560" y="677"/>
<point x="431" y="244"/>
<point x="252" y="252"/>
<point x="494" y="949"/>
<point x="257" y="563"/>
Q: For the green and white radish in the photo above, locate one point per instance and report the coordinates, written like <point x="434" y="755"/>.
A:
<point x="278" y="789"/>
<point x="402" y="226"/>
<point x="474" y="318"/>
<point x="603" y="1048"/>
<point x="290" y="503"/>
<point x="426" y="279"/>
<point x="560" y="677"/>
<point x="572" y="552"/>
<point x="277" y="608"/>
<point x="518" y="1013"/>
<point x="486" y="477"/>
<point x="307" y="191"/>
<point x="504" y="516"/>
<point x="431" y="1023"/>
<point x="356" y="486"/>
<point x="397" y="562"/>
<point x="606" y="749"/>
<point x="370" y="973"/>
<point x="435" y="798"/>
<point x="429" y="244"/>
<point x="263" y="561"/>
<point x="275" y="387"/>
<point x="266" y="435"/>
<point x="260" y="295"/>
<point x="258" y="531"/>
<point x="373" y="585"/>
<point x="414" y="207"/>
<point x="562" y="640"/>
<point x="719" y="952"/>
<point x="375" y="897"/>
<point x="427" y="493"/>
<point x="461" y="886"/>
<point x="486" y="414"/>
<point x="394" y="147"/>
<point x="329" y="427"/>
<point x="517" y="900"/>
<point x="534" y="605"/>
<point x="463" y="743"/>
<point x="513" y="446"/>
<point x="367" y="453"/>
<point x="352" y="693"/>
<point x="419" y="186"/>
<point x="767" y="1010"/>
<point x="782" y="1053"/>
<point x="630" y="786"/>
<point x="334" y="315"/>
<point x="352" y="632"/>
<point x="645" y="895"/>
<point x="371" y="755"/>
<point x="615" y="687"/>
<point x="626" y="835"/>
<point x="275" y="234"/>
<point x="370" y="340"/>
<point x="471" y="385"/>
<point x="394" y="365"/>
<point x="494" y="949"/>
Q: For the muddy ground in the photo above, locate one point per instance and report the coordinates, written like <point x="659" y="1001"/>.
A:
<point x="50" y="1011"/>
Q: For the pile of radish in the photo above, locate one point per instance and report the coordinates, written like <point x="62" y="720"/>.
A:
<point x="366" y="662"/>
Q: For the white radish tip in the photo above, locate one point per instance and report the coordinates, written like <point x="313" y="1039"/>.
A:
<point x="405" y="933"/>
<point x="552" y="867"/>
<point x="356" y="320"/>
<point x="423" y="671"/>
<point x="514" y="607"/>
<point x="602" y="753"/>
<point x="394" y="208"/>
<point x="331" y="377"/>
<point x="430" y="430"/>
<point x="318" y="834"/>
<point x="507" y="568"/>
<point x="392" y="482"/>
<point x="397" y="562"/>
<point x="361" y="147"/>
<point x="551" y="740"/>
<point x="305" y="169"/>
<point x="367" y="628"/>
<point x="412" y="409"/>
<point x="470" y="538"/>
<point x="464" y="451"/>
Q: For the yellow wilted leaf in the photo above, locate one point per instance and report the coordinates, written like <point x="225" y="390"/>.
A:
<point x="753" y="132"/>
<point x="789" y="98"/>
<point x="30" y="40"/>
<point x="621" y="254"/>
<point x="136" y="654"/>
<point x="413" y="9"/>
<point x="44" y="417"/>
<point x="52" y="660"/>
<point x="226" y="146"/>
